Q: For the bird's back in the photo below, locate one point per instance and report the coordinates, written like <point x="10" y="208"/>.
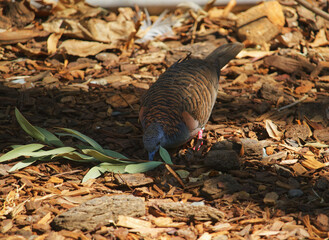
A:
<point x="190" y="86"/>
<point x="181" y="100"/>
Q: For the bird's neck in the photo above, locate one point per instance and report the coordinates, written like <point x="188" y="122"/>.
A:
<point x="178" y="135"/>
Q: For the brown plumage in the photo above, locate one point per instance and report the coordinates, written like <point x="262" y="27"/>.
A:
<point x="180" y="102"/>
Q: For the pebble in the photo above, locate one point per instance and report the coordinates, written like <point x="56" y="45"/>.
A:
<point x="293" y="193"/>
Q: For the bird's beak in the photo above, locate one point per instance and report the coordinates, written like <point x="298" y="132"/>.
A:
<point x="151" y="155"/>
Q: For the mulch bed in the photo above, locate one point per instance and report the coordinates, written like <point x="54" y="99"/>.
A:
<point x="262" y="172"/>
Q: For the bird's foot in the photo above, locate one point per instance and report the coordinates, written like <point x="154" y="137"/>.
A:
<point x="199" y="142"/>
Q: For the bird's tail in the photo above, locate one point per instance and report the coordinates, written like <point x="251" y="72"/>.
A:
<point x="223" y="54"/>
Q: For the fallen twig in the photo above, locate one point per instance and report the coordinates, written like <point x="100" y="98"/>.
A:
<point x="314" y="9"/>
<point x="293" y="104"/>
<point x="175" y="175"/>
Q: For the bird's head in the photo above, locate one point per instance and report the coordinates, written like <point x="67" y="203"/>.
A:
<point x="153" y="138"/>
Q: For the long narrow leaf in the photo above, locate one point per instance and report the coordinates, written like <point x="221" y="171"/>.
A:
<point x="50" y="138"/>
<point x="16" y="146"/>
<point x="23" y="164"/>
<point x="102" y="157"/>
<point x="71" y="135"/>
<point x="81" y="147"/>
<point x="24" y="150"/>
<point x="165" y="155"/>
<point x="93" y="173"/>
<point x="142" y="167"/>
<point x="78" y="157"/>
<point x="114" y="154"/>
<point x="28" y="127"/>
<point x="51" y="152"/>
<point x="115" y="168"/>
<point x="92" y="142"/>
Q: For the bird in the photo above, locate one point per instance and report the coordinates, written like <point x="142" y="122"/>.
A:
<point x="178" y="105"/>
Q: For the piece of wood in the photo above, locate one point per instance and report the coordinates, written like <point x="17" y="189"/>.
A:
<point x="285" y="64"/>
<point x="317" y="70"/>
<point x="99" y="211"/>
<point x="314" y="9"/>
<point x="272" y="10"/>
<point x="259" y="32"/>
<point x="19" y="14"/>
<point x="182" y="211"/>
<point x="133" y="180"/>
<point x="299" y="169"/>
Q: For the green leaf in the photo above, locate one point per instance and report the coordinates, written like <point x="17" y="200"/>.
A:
<point x="106" y="152"/>
<point x="114" y="154"/>
<point x="93" y="173"/>
<point x="87" y="139"/>
<point x="24" y="150"/>
<point x="183" y="173"/>
<point x="142" y="167"/>
<point x="102" y="157"/>
<point x="115" y="168"/>
<point x="165" y="155"/>
<point x="23" y="164"/>
<point x="16" y="146"/>
<point x="71" y="135"/>
<point x="79" y="157"/>
<point x="81" y="147"/>
<point x="50" y="138"/>
<point x="28" y="127"/>
<point x="51" y="152"/>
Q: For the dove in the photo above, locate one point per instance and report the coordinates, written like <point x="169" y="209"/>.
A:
<point x="178" y="105"/>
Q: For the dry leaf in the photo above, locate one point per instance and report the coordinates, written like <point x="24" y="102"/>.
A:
<point x="84" y="48"/>
<point x="72" y="27"/>
<point x="320" y="39"/>
<point x="272" y="130"/>
<point x="151" y="58"/>
<point x="52" y="42"/>
<point x="109" y="32"/>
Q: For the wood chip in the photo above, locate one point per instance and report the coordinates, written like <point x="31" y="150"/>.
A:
<point x="130" y="222"/>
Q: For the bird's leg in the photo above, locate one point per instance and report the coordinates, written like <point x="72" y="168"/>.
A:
<point x="199" y="142"/>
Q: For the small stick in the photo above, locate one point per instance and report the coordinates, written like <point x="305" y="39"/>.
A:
<point x="195" y="25"/>
<point x="231" y="4"/>
<point x="314" y="9"/>
<point x="124" y="99"/>
<point x="293" y="104"/>
<point x="175" y="175"/>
